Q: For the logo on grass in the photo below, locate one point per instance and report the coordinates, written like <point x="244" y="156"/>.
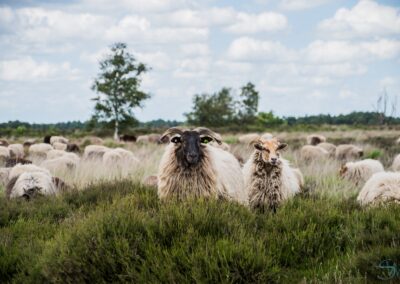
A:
<point x="389" y="269"/>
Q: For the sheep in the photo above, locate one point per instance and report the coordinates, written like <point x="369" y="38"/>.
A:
<point x="311" y="153"/>
<point x="381" y="188"/>
<point x="127" y="138"/>
<point x="72" y="147"/>
<point x="40" y="150"/>
<point x="16" y="150"/>
<point x="359" y="172"/>
<point x="331" y="148"/>
<point x="60" y="164"/>
<point x="4" y="143"/>
<point x="52" y="154"/>
<point x="19" y="169"/>
<point x="224" y="146"/>
<point x="4" y="174"/>
<point x="315" y="139"/>
<point x="151" y="138"/>
<point x="248" y="138"/>
<point x="93" y="140"/>
<point x="58" y="139"/>
<point x="299" y="176"/>
<point x="4" y="155"/>
<point x="396" y="163"/>
<point x="348" y="152"/>
<point x="60" y="146"/>
<point x="29" y="142"/>
<point x="31" y="184"/>
<point x="191" y="168"/>
<point x="119" y="157"/>
<point x="94" y="151"/>
<point x="268" y="179"/>
<point x="11" y="162"/>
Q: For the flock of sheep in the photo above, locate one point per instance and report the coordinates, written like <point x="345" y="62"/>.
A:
<point x="197" y="164"/>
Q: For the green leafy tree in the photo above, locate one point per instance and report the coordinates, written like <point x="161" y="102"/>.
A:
<point x="212" y="110"/>
<point x="267" y="119"/>
<point x="118" y="86"/>
<point x="249" y="104"/>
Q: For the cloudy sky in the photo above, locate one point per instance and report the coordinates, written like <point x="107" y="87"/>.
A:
<point x="304" y="56"/>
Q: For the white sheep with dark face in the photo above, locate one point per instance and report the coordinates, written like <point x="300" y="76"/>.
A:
<point x="192" y="168"/>
<point x="269" y="179"/>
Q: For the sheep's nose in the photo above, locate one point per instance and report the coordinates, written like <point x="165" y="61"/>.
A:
<point x="273" y="160"/>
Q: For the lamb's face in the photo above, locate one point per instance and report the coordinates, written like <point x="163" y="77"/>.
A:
<point x="270" y="150"/>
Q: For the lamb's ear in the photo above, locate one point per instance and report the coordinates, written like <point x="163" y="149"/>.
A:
<point x="282" y="146"/>
<point x="170" y="132"/>
<point x="203" y="131"/>
<point x="258" y="146"/>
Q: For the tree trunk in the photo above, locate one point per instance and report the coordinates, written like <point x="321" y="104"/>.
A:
<point x="116" y="135"/>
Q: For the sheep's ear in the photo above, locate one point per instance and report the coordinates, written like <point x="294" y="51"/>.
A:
<point x="205" y="132"/>
<point x="282" y="146"/>
<point x="258" y="146"/>
<point x="170" y="132"/>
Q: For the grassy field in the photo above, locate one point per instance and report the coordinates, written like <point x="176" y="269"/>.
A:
<point x="110" y="228"/>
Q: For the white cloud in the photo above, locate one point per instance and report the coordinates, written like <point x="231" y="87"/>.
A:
<point x="347" y="94"/>
<point x="365" y="19"/>
<point x="341" y="51"/>
<point x="254" y="23"/>
<point x="193" y="67"/>
<point x="248" y="49"/>
<point x="148" y="6"/>
<point x="301" y="4"/>
<point x="27" y="69"/>
<point x="195" y="49"/>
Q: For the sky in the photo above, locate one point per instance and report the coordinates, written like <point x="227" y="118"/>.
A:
<point x="304" y="56"/>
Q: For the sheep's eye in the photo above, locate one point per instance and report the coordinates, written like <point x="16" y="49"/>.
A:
<point x="205" y="140"/>
<point x="176" y="140"/>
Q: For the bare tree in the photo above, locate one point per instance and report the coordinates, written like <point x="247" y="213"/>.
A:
<point x="383" y="103"/>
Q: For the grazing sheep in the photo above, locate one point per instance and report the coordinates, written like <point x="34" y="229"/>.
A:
<point x="381" y="188"/>
<point x="359" y="172"/>
<point x="150" y="181"/>
<point x="312" y="153"/>
<point x="16" y="151"/>
<point x="31" y="184"/>
<point x="268" y="179"/>
<point x="72" y="147"/>
<point x="3" y="143"/>
<point x="331" y="148"/>
<point x="315" y="139"/>
<point x="29" y="142"/>
<point x="40" y="150"/>
<point x="248" y="138"/>
<point x="396" y="163"/>
<point x="14" y="161"/>
<point x="348" y="152"/>
<point x="94" y="152"/>
<point x="59" y="146"/>
<point x="127" y="138"/>
<point x="60" y="164"/>
<point x="151" y="138"/>
<point x="52" y="154"/>
<point x="58" y="139"/>
<point x="192" y="168"/>
<point x="142" y="139"/>
<point x="119" y="157"/>
<point x="19" y="169"/>
<point x="4" y="155"/>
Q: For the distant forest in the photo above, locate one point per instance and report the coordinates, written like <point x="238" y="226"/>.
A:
<point x="356" y="119"/>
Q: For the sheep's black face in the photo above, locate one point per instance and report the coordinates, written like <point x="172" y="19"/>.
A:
<point x="189" y="150"/>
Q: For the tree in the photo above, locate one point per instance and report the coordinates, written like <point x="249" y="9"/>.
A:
<point x="212" y="110"/>
<point x="249" y="104"/>
<point x="118" y="87"/>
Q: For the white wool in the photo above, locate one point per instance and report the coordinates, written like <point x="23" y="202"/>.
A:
<point x="224" y="146"/>
<point x="119" y="157"/>
<point x="299" y="176"/>
<point x="310" y="152"/>
<point x="41" y="148"/>
<point x="228" y="173"/>
<point x="4" y="174"/>
<point x="59" y="139"/>
<point x="381" y="187"/>
<point x="360" y="171"/>
<point x="348" y="152"/>
<point x="33" y="180"/>
<point x="97" y="150"/>
<point x="19" y="169"/>
<point x="247" y="138"/>
<point x="60" y="146"/>
<point x="60" y="164"/>
<point x="143" y="139"/>
<point x="396" y="163"/>
<point x="331" y="148"/>
<point x="52" y="154"/>
<point x="4" y="152"/>
<point x="16" y="150"/>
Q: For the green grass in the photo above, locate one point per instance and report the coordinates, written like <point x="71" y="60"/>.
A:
<point x="120" y="232"/>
